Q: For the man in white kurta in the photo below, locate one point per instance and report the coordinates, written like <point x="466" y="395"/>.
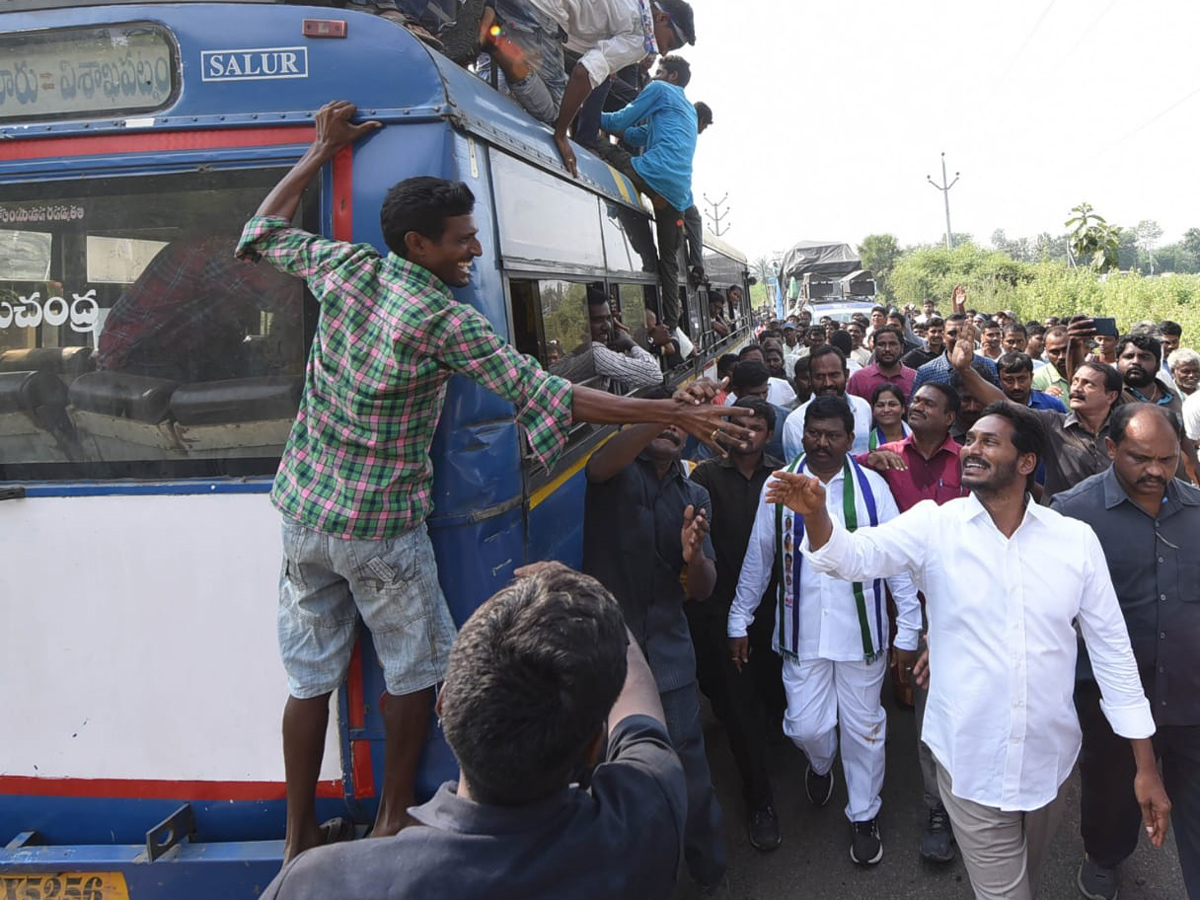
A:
<point x="831" y="633"/>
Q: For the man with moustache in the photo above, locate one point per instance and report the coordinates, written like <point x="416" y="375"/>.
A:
<point x="1139" y="360"/>
<point x="734" y="485"/>
<point x="887" y="368"/>
<point x="1075" y="441"/>
<point x="934" y="344"/>
<point x="990" y="340"/>
<point x="1005" y="582"/>
<point x="645" y="535"/>
<point x="939" y="368"/>
<point x="832" y="634"/>
<point x="828" y="375"/>
<point x="1016" y="380"/>
<point x="1148" y="524"/>
<point x="1054" y="378"/>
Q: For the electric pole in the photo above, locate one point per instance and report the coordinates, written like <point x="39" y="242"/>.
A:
<point x="717" y="215"/>
<point x="944" y="187"/>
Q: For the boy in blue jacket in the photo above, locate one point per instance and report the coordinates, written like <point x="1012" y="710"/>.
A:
<point x="662" y="122"/>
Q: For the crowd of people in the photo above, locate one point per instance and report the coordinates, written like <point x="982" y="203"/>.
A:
<point x="962" y="500"/>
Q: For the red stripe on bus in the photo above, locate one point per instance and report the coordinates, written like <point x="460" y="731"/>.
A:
<point x="343" y="170"/>
<point x="155" y="790"/>
<point x="364" y="775"/>
<point x="154" y="142"/>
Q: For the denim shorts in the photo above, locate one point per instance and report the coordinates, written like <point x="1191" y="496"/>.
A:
<point x="327" y="582"/>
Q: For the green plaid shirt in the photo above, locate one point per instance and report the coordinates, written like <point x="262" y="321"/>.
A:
<point x="389" y="337"/>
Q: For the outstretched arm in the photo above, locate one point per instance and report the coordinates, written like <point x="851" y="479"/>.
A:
<point x="334" y="131"/>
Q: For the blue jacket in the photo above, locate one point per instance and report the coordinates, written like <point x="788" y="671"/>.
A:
<point x="669" y="136"/>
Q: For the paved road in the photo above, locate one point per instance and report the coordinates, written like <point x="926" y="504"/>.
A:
<point x="814" y="860"/>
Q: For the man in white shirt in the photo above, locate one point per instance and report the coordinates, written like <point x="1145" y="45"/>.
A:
<point x="779" y="391"/>
<point x="828" y="375"/>
<point x="1004" y="581"/>
<point x="832" y="634"/>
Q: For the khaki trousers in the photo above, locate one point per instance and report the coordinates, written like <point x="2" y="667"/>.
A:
<point x="1002" y="850"/>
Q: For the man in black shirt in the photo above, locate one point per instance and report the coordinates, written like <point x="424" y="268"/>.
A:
<point x="734" y="485"/>
<point x="645" y="534"/>
<point x="542" y="665"/>
<point x="1149" y="526"/>
<point x="934" y="347"/>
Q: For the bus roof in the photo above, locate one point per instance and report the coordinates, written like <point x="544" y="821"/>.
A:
<point x="379" y="65"/>
<point x="715" y="243"/>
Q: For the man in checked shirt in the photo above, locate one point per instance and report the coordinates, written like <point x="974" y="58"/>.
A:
<point x="355" y="480"/>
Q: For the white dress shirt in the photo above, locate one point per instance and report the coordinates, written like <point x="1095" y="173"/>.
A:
<point x="634" y="368"/>
<point x="793" y="428"/>
<point x="829" y="627"/>
<point x="1001" y="714"/>
<point x="780" y="392"/>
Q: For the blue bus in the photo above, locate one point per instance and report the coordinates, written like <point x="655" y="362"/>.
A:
<point x="148" y="383"/>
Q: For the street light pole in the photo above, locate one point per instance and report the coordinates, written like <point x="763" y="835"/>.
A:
<point x="944" y="187"/>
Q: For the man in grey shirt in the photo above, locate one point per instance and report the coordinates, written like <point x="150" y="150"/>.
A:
<point x="533" y="677"/>
<point x="1148" y="524"/>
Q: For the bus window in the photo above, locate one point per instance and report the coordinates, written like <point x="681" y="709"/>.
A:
<point x="634" y="300"/>
<point x="628" y="247"/>
<point x="169" y="351"/>
<point x="544" y="218"/>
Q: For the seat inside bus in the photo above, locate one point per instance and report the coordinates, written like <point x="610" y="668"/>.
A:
<point x="120" y="416"/>
<point x="241" y="416"/>
<point x="33" y="417"/>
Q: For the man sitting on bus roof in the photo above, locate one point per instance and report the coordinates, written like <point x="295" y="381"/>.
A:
<point x="610" y="35"/>
<point x="662" y="122"/>
<point x="548" y="666"/>
<point x="355" y="481"/>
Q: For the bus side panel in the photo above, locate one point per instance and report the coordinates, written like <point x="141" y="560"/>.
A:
<point x="556" y="523"/>
<point x="160" y="680"/>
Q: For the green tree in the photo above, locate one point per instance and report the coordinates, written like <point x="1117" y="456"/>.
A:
<point x="1093" y="241"/>
<point x="991" y="277"/>
<point x="1191" y="242"/>
<point x="762" y="269"/>
<point x="1019" y="249"/>
<point x="880" y="253"/>
<point x="1148" y="232"/>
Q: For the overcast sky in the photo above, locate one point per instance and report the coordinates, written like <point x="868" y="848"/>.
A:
<point x="830" y="115"/>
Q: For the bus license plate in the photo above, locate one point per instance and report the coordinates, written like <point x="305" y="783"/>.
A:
<point x="64" y="886"/>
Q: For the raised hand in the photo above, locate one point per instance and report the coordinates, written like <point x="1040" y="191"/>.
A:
<point x="695" y="527"/>
<point x="963" y="353"/>
<point x="958" y="300"/>
<point x="334" y="128"/>
<point x="801" y="494"/>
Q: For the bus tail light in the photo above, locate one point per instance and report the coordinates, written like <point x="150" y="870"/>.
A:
<point x="324" y="28"/>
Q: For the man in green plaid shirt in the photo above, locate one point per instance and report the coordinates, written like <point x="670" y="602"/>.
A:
<point x="355" y="480"/>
